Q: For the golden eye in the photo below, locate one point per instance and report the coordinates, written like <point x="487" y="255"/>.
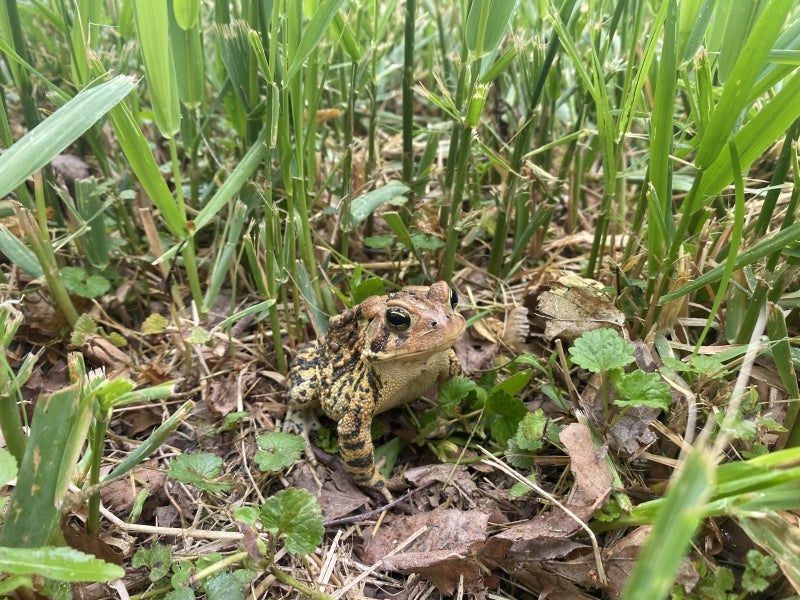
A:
<point x="398" y="318"/>
<point x="453" y="297"/>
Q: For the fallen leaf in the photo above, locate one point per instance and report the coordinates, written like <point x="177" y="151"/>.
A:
<point x="70" y="168"/>
<point x="631" y="433"/>
<point x="120" y="495"/>
<point x="80" y="539"/>
<point x="565" y="563"/>
<point x="547" y="585"/>
<point x="100" y="351"/>
<point x="475" y="355"/>
<point x="142" y="418"/>
<point x="453" y="549"/>
<point x="442" y="473"/>
<point x="619" y="559"/>
<point x="223" y="397"/>
<point x="593" y="476"/>
<point x="574" y="305"/>
<point x="338" y="497"/>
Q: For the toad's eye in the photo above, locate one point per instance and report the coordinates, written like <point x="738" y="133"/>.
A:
<point x="398" y="318"/>
<point x="453" y="297"/>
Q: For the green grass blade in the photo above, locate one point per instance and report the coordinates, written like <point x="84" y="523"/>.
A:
<point x="779" y="537"/>
<point x="759" y="133"/>
<point x="365" y="205"/>
<point x="233" y="183"/>
<point x="313" y="34"/>
<point x="782" y="355"/>
<point x="140" y="157"/>
<point x="677" y="520"/>
<point x="736" y="239"/>
<point x="744" y="73"/>
<point x="58" y="563"/>
<point x="152" y="33"/>
<point x="187" y="54"/>
<point x="19" y="254"/>
<point x="156" y="439"/>
<point x="660" y="165"/>
<point x="347" y="38"/>
<point x="224" y="258"/>
<point x="693" y="21"/>
<point x="43" y="143"/>
<point x="737" y="26"/>
<point x="633" y="84"/>
<point x="187" y="13"/>
<point x="92" y="214"/>
<point x="34" y="514"/>
<point x="775" y="243"/>
<point x="486" y="25"/>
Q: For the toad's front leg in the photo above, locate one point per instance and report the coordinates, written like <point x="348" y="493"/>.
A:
<point x="304" y="395"/>
<point x="356" y="449"/>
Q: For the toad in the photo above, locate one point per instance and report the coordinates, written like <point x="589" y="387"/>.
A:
<point x="380" y="354"/>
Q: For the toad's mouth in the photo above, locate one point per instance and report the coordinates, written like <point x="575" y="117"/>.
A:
<point x="401" y="353"/>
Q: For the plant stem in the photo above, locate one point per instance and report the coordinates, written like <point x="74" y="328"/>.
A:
<point x="40" y="246"/>
<point x="300" y="587"/>
<point x="408" y="105"/>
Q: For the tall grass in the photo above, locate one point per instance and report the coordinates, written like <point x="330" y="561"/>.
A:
<point x="260" y="136"/>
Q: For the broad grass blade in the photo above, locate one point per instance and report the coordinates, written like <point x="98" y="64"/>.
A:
<point x="152" y="32"/>
<point x="44" y="142"/>
<point x="780" y="538"/>
<point x="735" y="94"/>
<point x="34" y="514"/>
<point x="487" y="22"/>
<point x="313" y="34"/>
<point x="675" y="524"/>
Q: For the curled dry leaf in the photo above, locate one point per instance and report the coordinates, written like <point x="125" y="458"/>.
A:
<point x="442" y="473"/>
<point x="631" y="433"/>
<point x="573" y="305"/>
<point x="517" y="329"/>
<point x="70" y="168"/>
<point x="593" y="479"/>
<point x="337" y="498"/>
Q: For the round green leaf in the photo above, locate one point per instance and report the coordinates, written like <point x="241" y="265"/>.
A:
<point x="278" y="450"/>
<point x="296" y="515"/>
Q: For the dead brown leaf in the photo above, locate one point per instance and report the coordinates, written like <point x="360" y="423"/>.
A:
<point x="141" y="419"/>
<point x="548" y="585"/>
<point x="338" y="497"/>
<point x="223" y="397"/>
<point x="621" y="556"/>
<point x="457" y="475"/>
<point x="474" y="354"/>
<point x="453" y="548"/>
<point x="593" y="476"/>
<point x="544" y="539"/>
<point x="574" y="305"/>
<point x="101" y="352"/>
<point x="120" y="495"/>
<point x="77" y="537"/>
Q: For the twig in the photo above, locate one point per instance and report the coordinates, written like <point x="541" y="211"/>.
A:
<point x="376" y="512"/>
